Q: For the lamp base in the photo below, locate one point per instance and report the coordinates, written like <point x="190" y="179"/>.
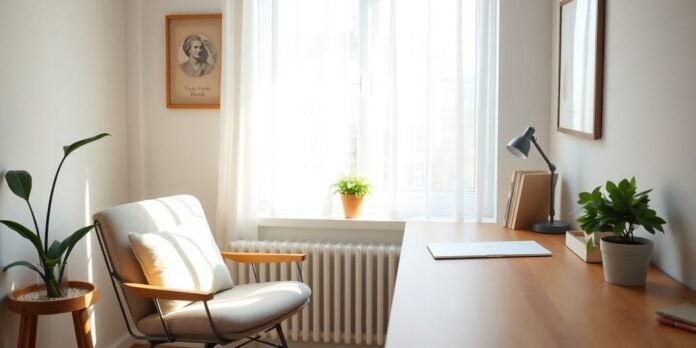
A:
<point x="556" y="227"/>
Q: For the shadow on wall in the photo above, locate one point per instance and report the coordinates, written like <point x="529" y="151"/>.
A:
<point x="8" y="283"/>
<point x="567" y="209"/>
<point x="5" y="285"/>
<point x="677" y="226"/>
<point x="2" y="182"/>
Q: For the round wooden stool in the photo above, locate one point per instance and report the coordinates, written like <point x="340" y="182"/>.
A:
<point x="31" y="309"/>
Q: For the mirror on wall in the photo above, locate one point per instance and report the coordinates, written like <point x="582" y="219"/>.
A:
<point x="580" y="68"/>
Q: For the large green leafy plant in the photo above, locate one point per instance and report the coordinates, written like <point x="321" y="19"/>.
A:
<point x="55" y="255"/>
<point x="352" y="185"/>
<point x="620" y="211"/>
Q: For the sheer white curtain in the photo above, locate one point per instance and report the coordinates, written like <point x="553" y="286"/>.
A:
<point x="431" y="66"/>
<point x="236" y="206"/>
<point x="486" y="108"/>
<point x="402" y="92"/>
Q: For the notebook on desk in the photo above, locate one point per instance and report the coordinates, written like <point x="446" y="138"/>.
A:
<point x="486" y="249"/>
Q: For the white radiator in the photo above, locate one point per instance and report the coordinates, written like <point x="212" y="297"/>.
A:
<point x="352" y="287"/>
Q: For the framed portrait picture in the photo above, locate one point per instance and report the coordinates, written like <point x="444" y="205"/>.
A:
<point x="194" y="54"/>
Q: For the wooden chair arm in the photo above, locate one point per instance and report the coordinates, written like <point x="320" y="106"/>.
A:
<point x="158" y="292"/>
<point x="263" y="257"/>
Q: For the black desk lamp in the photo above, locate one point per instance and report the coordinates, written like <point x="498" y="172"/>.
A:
<point x="519" y="147"/>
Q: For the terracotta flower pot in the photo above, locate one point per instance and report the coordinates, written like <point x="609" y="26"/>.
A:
<point x="351" y="205"/>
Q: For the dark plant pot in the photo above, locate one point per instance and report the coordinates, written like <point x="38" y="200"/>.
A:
<point x="626" y="264"/>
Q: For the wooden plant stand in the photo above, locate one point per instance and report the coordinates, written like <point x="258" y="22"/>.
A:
<point x="30" y="310"/>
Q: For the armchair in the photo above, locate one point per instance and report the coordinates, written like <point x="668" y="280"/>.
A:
<point x="207" y="308"/>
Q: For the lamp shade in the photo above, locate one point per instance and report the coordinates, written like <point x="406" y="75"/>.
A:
<point x="519" y="146"/>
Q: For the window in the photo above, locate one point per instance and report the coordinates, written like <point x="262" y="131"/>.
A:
<point x="396" y="91"/>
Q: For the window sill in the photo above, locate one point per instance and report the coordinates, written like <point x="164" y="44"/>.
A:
<point x="363" y="223"/>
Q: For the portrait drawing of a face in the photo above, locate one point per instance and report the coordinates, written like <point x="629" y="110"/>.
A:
<point x="200" y="55"/>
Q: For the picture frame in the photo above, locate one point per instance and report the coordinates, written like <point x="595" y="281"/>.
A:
<point x="193" y="60"/>
<point x="581" y="68"/>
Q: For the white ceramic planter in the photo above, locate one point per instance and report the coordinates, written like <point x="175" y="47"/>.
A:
<point x="626" y="264"/>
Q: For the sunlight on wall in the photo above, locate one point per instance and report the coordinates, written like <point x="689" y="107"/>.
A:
<point x="167" y="213"/>
<point x="88" y="220"/>
<point x="90" y="262"/>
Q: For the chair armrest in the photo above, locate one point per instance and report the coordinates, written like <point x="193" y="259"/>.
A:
<point x="158" y="292"/>
<point x="263" y="257"/>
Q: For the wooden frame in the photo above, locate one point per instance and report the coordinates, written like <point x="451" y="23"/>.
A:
<point x="193" y="61"/>
<point x="162" y="293"/>
<point x="583" y="68"/>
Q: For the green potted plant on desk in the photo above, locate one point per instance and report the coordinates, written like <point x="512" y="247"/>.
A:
<point x="52" y="258"/>
<point x="621" y="211"/>
<point x="352" y="189"/>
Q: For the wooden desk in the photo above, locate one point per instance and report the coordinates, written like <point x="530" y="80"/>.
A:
<point x="556" y="301"/>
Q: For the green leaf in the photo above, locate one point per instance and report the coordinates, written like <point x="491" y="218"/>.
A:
<point x="76" y="145"/>
<point x="55" y="251"/>
<point x="25" y="264"/>
<point x="352" y="185"/>
<point x="69" y="242"/>
<point x="624" y="185"/>
<point x="26" y="233"/>
<point x="644" y="193"/>
<point x="19" y="182"/>
<point x="611" y="187"/>
<point x="51" y="262"/>
<point x="584" y="197"/>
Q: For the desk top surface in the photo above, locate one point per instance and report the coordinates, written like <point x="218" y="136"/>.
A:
<point x="557" y="301"/>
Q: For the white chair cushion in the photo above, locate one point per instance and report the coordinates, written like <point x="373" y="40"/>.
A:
<point x="237" y="312"/>
<point x="184" y="257"/>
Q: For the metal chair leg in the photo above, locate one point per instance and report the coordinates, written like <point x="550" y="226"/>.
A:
<point x="281" y="336"/>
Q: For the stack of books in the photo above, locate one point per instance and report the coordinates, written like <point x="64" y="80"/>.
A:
<point x="681" y="316"/>
<point x="528" y="199"/>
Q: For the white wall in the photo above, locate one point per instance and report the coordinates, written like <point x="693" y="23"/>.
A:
<point x="524" y="84"/>
<point x="171" y="151"/>
<point x="62" y="79"/>
<point x="649" y="122"/>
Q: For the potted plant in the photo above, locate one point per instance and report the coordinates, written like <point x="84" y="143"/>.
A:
<point x="621" y="211"/>
<point x="352" y="189"/>
<point x="52" y="258"/>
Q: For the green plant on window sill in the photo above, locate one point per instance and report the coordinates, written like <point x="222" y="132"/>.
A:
<point x="621" y="211"/>
<point x="352" y="189"/>
<point x="55" y="255"/>
<point x="352" y="185"/>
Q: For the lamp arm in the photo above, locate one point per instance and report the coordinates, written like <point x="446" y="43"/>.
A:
<point x="552" y="167"/>
<point x="552" y="185"/>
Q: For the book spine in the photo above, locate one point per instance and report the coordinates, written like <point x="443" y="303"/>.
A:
<point x="675" y="323"/>
<point x="509" y="198"/>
